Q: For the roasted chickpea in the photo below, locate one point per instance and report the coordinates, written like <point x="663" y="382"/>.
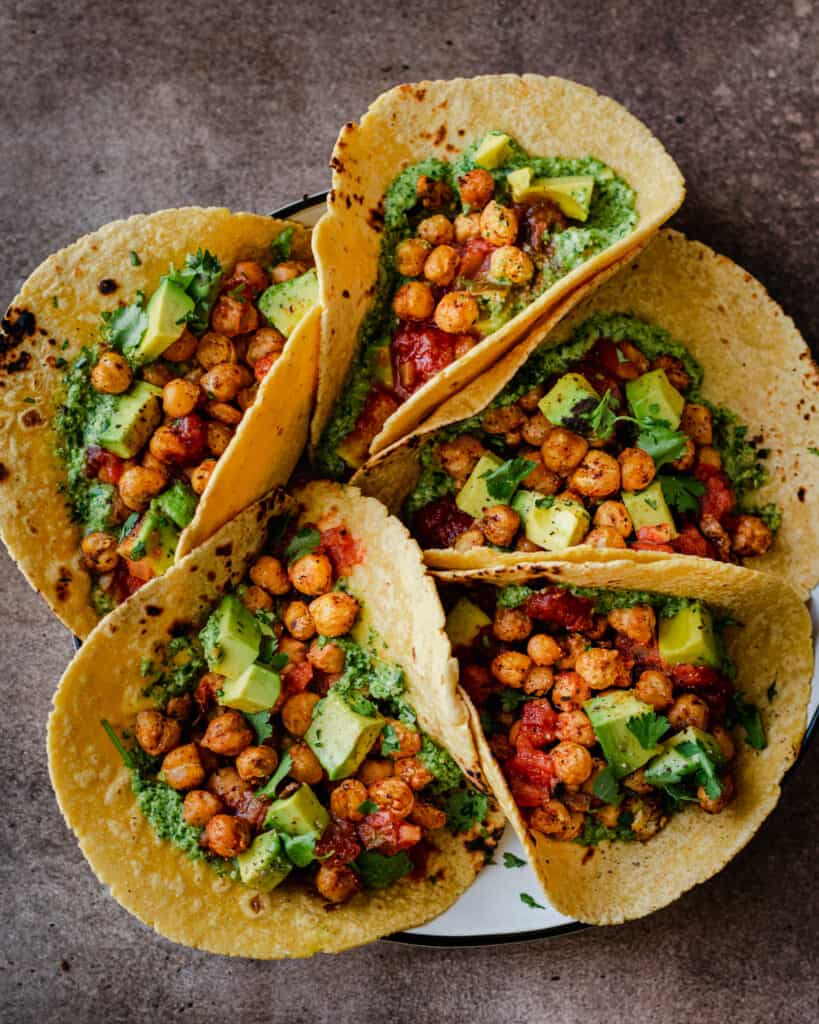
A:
<point x="155" y="733"/>
<point x="467" y="225"/>
<point x="179" y="397"/>
<point x="614" y="515"/>
<point x="437" y="230"/>
<point x="347" y="798"/>
<point x="374" y="770"/>
<point x="298" y="621"/>
<point x="597" y="476"/>
<point x="602" y="668"/>
<point x="232" y="316"/>
<point x="228" y="786"/>
<point x="608" y="815"/>
<point x="460" y="456"/>
<point x="536" y="429"/>
<point x="311" y="574"/>
<point x="411" y="255"/>
<point x="686" y="460"/>
<point x="179" y="707"/>
<point x="456" y="312"/>
<point x="99" y="551"/>
<point x="725" y="740"/>
<point x="432" y="192"/>
<point x="181" y="350"/>
<point x="511" y="265"/>
<point x="224" y="413"/>
<point x="427" y="816"/>
<point x="334" y="614"/>
<point x="223" y="381"/>
<point x="408" y="740"/>
<point x="201" y="474"/>
<point x="697" y="422"/>
<point x="511" y="625"/>
<point x="540" y="479"/>
<point x="297" y="712"/>
<point x="637" y="469"/>
<point x="255" y="764"/>
<point x="648" y="817"/>
<point x="287" y="270"/>
<point x="413" y="301"/>
<point x="469" y="539"/>
<point x="572" y="763"/>
<point x="499" y="524"/>
<point x="503" y="419"/>
<point x="228" y="734"/>
<point x="305" y="767"/>
<point x="227" y="836"/>
<point x="637" y="623"/>
<point x="328" y="658"/>
<point x="563" y="450"/>
<point x="717" y="805"/>
<point x="182" y="767"/>
<point x="157" y="374"/>
<point x="574" y="726"/>
<point x="414" y="772"/>
<point x="604" y="537"/>
<point x="636" y="782"/>
<point x="268" y="572"/>
<point x="511" y="667"/>
<point x="688" y="709"/>
<point x="499" y="224"/>
<point x="674" y="370"/>
<point x="631" y="363"/>
<point x="257" y="600"/>
<point x="392" y="795"/>
<point x="251" y="273"/>
<point x="441" y="265"/>
<point x="138" y="485"/>
<point x="214" y="349"/>
<point x="336" y="883"/>
<point x="538" y="681"/>
<point x="569" y="692"/>
<point x="555" y="819"/>
<point x="707" y="456"/>
<point x="476" y="187"/>
<point x="543" y="649"/>
<point x="655" y="688"/>
<point x="266" y="341"/>
<point x="112" y="374"/>
<point x="751" y="536"/>
<point x="199" y="807"/>
<point x="295" y="650"/>
<point x="168" y="447"/>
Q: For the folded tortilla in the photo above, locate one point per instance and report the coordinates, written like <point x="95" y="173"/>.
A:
<point x="618" y="881"/>
<point x="755" y="362"/>
<point x="55" y="314"/>
<point x="182" y="899"/>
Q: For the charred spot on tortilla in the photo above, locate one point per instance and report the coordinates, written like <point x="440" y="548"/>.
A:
<point x="345" y="293"/>
<point x="20" y="363"/>
<point x="23" y="324"/>
<point x="211" y="575"/>
<point x="4" y="472"/>
<point x="107" y="286"/>
<point x="800" y="494"/>
<point x="224" y="550"/>
<point x="32" y="418"/>
<point x="153" y="610"/>
<point x="63" y="583"/>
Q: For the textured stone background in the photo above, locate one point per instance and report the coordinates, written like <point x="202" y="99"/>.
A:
<point x="109" y="109"/>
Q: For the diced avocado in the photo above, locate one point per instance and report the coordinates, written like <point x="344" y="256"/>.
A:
<point x="464" y="622"/>
<point x="561" y="525"/>
<point x="256" y="689"/>
<point x="519" y="182"/>
<point x="167" y="310"/>
<point x="127" y="421"/>
<point x="231" y="638"/>
<point x="156" y="539"/>
<point x="287" y="303"/>
<point x="609" y="715"/>
<point x="672" y="766"/>
<point x="263" y="865"/>
<point x="474" y="497"/>
<point x="654" y="395"/>
<point x="572" y="194"/>
<point x="493" y="150"/>
<point x="694" y="735"/>
<point x="649" y="507"/>
<point x="382" y="366"/>
<point x="340" y="737"/>
<point x="558" y="404"/>
<point x="493" y="304"/>
<point x="298" y="814"/>
<point x="178" y="503"/>
<point x="688" y="637"/>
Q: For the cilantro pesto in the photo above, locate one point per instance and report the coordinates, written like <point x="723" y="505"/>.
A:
<point x="467" y="245"/>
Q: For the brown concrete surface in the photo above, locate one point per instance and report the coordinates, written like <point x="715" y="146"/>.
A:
<point x="107" y="109"/>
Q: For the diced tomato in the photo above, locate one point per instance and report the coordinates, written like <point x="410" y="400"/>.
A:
<point x="192" y="434"/>
<point x="339" y="844"/>
<point x="537" y="724"/>
<point x="475" y="255"/>
<point x="534" y="766"/>
<point x="103" y="465"/>
<point x="653" y="538"/>
<point x="251" y="809"/>
<point x="711" y="686"/>
<point x="205" y="692"/>
<point x="477" y="681"/>
<point x="341" y="548"/>
<point x="419" y="352"/>
<point x="643" y="656"/>
<point x="377" y="409"/>
<point x="440" y="523"/>
<point x="525" y="794"/>
<point x="264" y="365"/>
<point x="541" y="217"/>
<point x="719" y="498"/>
<point x="297" y="676"/>
<point x="689" y="541"/>
<point x="387" y="832"/>
<point x="694" y="675"/>
<point x="560" y="607"/>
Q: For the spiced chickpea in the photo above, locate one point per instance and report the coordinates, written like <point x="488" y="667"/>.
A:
<point x="255" y="764"/>
<point x="336" y="883"/>
<point x="602" y="668"/>
<point x="179" y="397"/>
<point x="181" y="350"/>
<point x="328" y="658"/>
<point x="539" y="479"/>
<point x="476" y="187"/>
<point x="538" y="681"/>
<point x="716" y="805"/>
<point x="708" y="456"/>
<point x="155" y="733"/>
<point x="697" y="422"/>
<point x="686" y="460"/>
<point x="227" y="784"/>
<point x="407" y="741"/>
<point x="413" y="301"/>
<point x="751" y="536"/>
<point x="311" y="574"/>
<point x="499" y="524"/>
<point x="688" y="709"/>
<point x="636" y="782"/>
<point x="180" y="707"/>
<point x="217" y="437"/>
<point x="224" y="412"/>
<point x="510" y="668"/>
<point x="456" y="312"/>
<point x="413" y="772"/>
<point x="503" y="419"/>
<point x="297" y="712"/>
<point x="467" y="225"/>
<point x="334" y="614"/>
<point x="433" y="192"/>
<point x="214" y="349"/>
<point x="460" y="456"/>
<point x="555" y="819"/>
<point x="637" y="469"/>
<point x="265" y="342"/>
<point x="392" y="795"/>
<point x="411" y="255"/>
<point x="251" y="273"/>
<point x="199" y="807"/>
<point x="597" y="476"/>
<point x="182" y="767"/>
<point x="604" y="537"/>
<point x="305" y="767"/>
<point x="257" y="600"/>
<point x="470" y="539"/>
<point x="201" y="474"/>
<point x="437" y="230"/>
<point x="569" y="692"/>
<point x="637" y="623"/>
<point x="543" y="649"/>
<point x="499" y="224"/>
<point x="112" y="374"/>
<point x="227" y="836"/>
<point x="295" y="650"/>
<point x="574" y="726"/>
<point x="674" y="370"/>
<point x="298" y="621"/>
<point x="247" y="396"/>
<point x="157" y="374"/>
<point x="614" y="515"/>
<point x="463" y="343"/>
<point x="441" y="265"/>
<point x="655" y="688"/>
<point x="511" y="265"/>
<point x="287" y="270"/>
<point x="633" y="363"/>
<point x="608" y="816"/>
<point x="536" y="429"/>
<point x="223" y="381"/>
<point x="232" y="316"/>
<point x="511" y="625"/>
<point x="374" y="769"/>
<point x="99" y="551"/>
<point x="427" y="816"/>
<point x="138" y="485"/>
<point x="563" y="450"/>
<point x="647" y="817"/>
<point x="268" y="572"/>
<point x="228" y="734"/>
<point x="347" y="798"/>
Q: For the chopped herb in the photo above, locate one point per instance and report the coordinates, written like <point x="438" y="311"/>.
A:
<point x="54" y="301"/>
<point x="390" y="744"/>
<point x="367" y="807"/>
<point x="377" y="871"/>
<point x="238" y="294"/>
<point x="60" y="363"/>
<point x="530" y="901"/>
<point x="121" y="749"/>
<point x="135" y="260"/>
<point x="269" y="788"/>
<point x="605" y="787"/>
<point x="465" y="808"/>
<point x="706" y="773"/>
<point x="682" y="492"/>
<point x="658" y="439"/>
<point x="648" y="729"/>
<point x="200" y="278"/>
<point x="282" y="245"/>
<point x="128" y="525"/>
<point x="300" y="850"/>
<point x="124" y="327"/>
<point x="512" y="861"/>
<point x="545" y="502"/>
<point x="260" y="721"/>
<point x="511" y="699"/>
<point x="601" y="419"/>
<point x="501" y="483"/>
<point x="441" y="763"/>
<point x="303" y="543"/>
<point x="513" y="596"/>
<point x="595" y="832"/>
<point x="744" y="713"/>
<point x="814" y="451"/>
<point x="29" y="401"/>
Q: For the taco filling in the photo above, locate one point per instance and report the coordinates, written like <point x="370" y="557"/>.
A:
<point x="607" y="711"/>
<point x="467" y="245"/>
<point x="607" y="440"/>
<point x="282" y="744"/>
<point x="147" y="411"/>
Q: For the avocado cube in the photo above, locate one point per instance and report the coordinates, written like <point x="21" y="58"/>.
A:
<point x="125" y="422"/>
<point x="340" y="737"/>
<point x="694" y="735"/>
<point x="572" y="194"/>
<point x="299" y="814"/>
<point x="558" y="404"/>
<point x="178" y="503"/>
<point x="609" y="715"/>
<point x="263" y="865"/>
<point x="155" y="539"/>
<point x="167" y="310"/>
<point x="688" y="637"/>
<point x="231" y="638"/>
<point x="562" y="525"/>
<point x="493" y="150"/>
<point x="519" y="182"/>
<point x="285" y="305"/>
<point x="648" y="507"/>
<point x="382" y="366"/>
<point x="673" y="766"/>
<point x="474" y="497"/>
<point x="464" y="622"/>
<point x="654" y="395"/>
<point x="256" y="689"/>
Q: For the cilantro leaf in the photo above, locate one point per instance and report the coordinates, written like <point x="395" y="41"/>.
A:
<point x="682" y="492"/>
<point x="511" y="861"/>
<point x="511" y="699"/>
<point x="501" y="483"/>
<point x="367" y="807"/>
<point x="377" y="871"/>
<point x="706" y="773"/>
<point x="530" y="901"/>
<point x="390" y="744"/>
<point x="648" y="728"/>
<point x="595" y="832"/>
<point x="601" y="419"/>
<point x="300" y="850"/>
<point x="260" y="721"/>
<point x="269" y="788"/>
<point x="814" y="451"/>
<point x="605" y="787"/>
<point x="282" y="245"/>
<point x="121" y="749"/>
<point x="512" y="596"/>
<point x="304" y="542"/>
<point x="465" y="808"/>
<point x="124" y="327"/>
<point x="200" y="278"/>
<point x="128" y="525"/>
<point x="658" y="439"/>
<point x="134" y="258"/>
<point x="746" y="714"/>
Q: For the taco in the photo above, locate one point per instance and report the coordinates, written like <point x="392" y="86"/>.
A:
<point x="269" y="732"/>
<point x="129" y="362"/>
<point x="635" y="720"/>
<point x="628" y="427"/>
<point x="461" y="213"/>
